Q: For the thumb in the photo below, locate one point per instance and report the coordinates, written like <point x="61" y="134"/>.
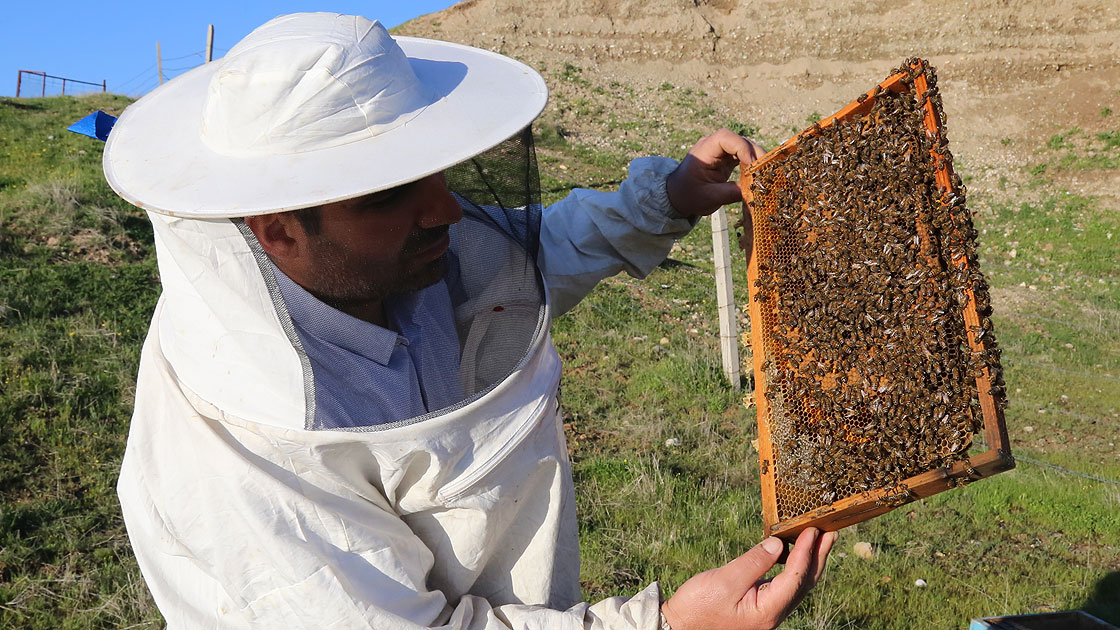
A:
<point x="752" y="565"/>
<point x="728" y="192"/>
<point x="715" y="197"/>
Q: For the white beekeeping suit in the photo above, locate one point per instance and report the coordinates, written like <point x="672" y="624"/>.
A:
<point x="246" y="513"/>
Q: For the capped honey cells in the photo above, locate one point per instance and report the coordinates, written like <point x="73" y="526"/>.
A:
<point x="865" y="268"/>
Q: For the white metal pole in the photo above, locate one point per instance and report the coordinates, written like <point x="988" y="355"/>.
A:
<point x="728" y="324"/>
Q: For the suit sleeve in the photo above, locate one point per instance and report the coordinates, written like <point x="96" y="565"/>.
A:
<point x="592" y="235"/>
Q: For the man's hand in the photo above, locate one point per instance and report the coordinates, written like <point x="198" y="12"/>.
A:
<point x="735" y="597"/>
<point x="699" y="186"/>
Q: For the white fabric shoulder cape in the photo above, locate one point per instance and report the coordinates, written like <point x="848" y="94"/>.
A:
<point x="242" y="517"/>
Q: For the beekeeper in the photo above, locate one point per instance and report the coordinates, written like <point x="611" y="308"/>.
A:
<point x="347" y="409"/>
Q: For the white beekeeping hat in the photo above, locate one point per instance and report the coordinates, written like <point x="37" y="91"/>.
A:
<point x="312" y="108"/>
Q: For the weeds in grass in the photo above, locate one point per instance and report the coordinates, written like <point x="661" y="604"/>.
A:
<point x="746" y="130"/>
<point x="1080" y="151"/>
<point x="71" y="324"/>
<point x="572" y="74"/>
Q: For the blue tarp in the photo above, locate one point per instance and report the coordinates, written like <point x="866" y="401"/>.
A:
<point x="96" y="125"/>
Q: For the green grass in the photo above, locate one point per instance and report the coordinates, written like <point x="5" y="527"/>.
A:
<point x="1040" y="538"/>
<point x="1026" y="541"/>
<point x="77" y="286"/>
<point x="1076" y="150"/>
<point x="573" y="74"/>
<point x="661" y="446"/>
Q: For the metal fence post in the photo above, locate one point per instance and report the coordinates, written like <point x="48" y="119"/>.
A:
<point x="45" y="76"/>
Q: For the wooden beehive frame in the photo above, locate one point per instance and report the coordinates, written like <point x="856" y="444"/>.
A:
<point x="866" y="505"/>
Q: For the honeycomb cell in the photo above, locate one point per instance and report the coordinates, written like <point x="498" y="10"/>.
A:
<point x="866" y="266"/>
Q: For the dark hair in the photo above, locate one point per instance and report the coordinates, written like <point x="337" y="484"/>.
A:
<point x="309" y="219"/>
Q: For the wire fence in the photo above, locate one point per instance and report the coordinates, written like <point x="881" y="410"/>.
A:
<point x="31" y="83"/>
<point x="1024" y="405"/>
<point x="141" y="78"/>
<point x="1020" y="457"/>
<point x="1053" y="368"/>
<point x="1065" y="471"/>
<point x="1099" y="327"/>
<point x="149" y="78"/>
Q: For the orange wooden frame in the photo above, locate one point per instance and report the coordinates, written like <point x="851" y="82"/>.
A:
<point x="866" y="505"/>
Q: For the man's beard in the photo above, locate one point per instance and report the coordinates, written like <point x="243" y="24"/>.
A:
<point x="345" y="280"/>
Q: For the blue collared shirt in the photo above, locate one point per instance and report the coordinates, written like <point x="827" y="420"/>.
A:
<point x="368" y="375"/>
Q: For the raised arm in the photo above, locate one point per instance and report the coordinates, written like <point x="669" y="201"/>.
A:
<point x="591" y="235"/>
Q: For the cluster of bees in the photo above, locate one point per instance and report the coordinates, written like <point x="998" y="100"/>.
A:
<point x="866" y="266"/>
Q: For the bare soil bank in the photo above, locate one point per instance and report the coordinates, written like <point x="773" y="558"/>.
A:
<point x="1013" y="73"/>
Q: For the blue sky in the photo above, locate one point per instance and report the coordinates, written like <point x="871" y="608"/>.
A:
<point x="116" y="41"/>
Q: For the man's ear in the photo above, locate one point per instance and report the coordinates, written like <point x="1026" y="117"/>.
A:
<point x="280" y="235"/>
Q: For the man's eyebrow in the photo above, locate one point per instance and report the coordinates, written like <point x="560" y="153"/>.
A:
<point x="388" y="193"/>
<point x="372" y="200"/>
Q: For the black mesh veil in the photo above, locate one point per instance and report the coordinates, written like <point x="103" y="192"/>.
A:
<point x="493" y="282"/>
<point x="503" y="184"/>
<point x="496" y="294"/>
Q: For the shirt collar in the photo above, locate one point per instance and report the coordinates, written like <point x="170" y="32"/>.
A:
<point x="334" y="327"/>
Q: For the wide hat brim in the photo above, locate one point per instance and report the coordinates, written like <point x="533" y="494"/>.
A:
<point x="156" y="159"/>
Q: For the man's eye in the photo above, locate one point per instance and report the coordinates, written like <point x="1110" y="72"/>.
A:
<point x="381" y="199"/>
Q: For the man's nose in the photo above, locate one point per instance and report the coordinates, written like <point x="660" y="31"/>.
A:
<point x="440" y="206"/>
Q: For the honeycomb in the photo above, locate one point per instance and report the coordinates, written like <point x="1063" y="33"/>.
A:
<point x="866" y="269"/>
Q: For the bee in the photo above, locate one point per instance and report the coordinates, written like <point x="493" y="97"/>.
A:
<point x="958" y="482"/>
<point x="866" y="281"/>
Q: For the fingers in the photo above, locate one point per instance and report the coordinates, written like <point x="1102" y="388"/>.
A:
<point x="746" y="238"/>
<point x="752" y="565"/>
<point x="725" y="144"/>
<point x="734" y="595"/>
<point x="820" y="558"/>
<point x="699" y="186"/>
<point x="792" y="583"/>
<point x="733" y="144"/>
<point x="756" y="150"/>
<point x="726" y="193"/>
<point x="745" y="149"/>
<point x="801" y="556"/>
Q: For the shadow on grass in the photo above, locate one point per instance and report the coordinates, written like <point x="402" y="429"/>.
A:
<point x="10" y="182"/>
<point x="23" y="104"/>
<point x="672" y="263"/>
<point x="612" y="183"/>
<point x="1104" y="603"/>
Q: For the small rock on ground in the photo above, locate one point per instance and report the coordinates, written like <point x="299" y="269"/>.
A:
<point x="863" y="550"/>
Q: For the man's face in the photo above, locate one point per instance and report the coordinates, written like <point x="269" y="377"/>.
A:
<point x="388" y="243"/>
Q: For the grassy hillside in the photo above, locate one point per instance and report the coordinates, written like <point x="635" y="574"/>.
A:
<point x="77" y="285"/>
<point x="78" y="281"/>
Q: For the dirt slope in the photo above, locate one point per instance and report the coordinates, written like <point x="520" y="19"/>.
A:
<point x="1013" y="73"/>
